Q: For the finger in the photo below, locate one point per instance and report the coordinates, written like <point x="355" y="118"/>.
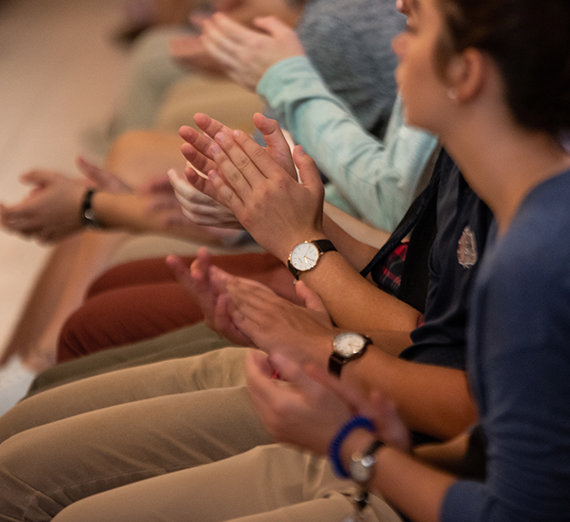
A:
<point x="224" y="324"/>
<point x="177" y="267"/>
<point x="277" y="145"/>
<point x="204" y="185"/>
<point x="156" y="185"/>
<point x="311" y="299"/>
<point x="351" y="397"/>
<point x="210" y="126"/>
<point x="226" y="194"/>
<point x="292" y="372"/>
<point x="258" y="157"/>
<point x="308" y="172"/>
<point x="184" y="189"/>
<point x="271" y="25"/>
<point x="197" y="149"/>
<point x="37" y="177"/>
<point x="218" y="46"/>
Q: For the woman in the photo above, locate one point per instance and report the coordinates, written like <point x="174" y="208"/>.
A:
<point x="492" y="79"/>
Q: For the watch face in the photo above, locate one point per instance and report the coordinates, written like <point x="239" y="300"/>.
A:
<point x="348" y="344"/>
<point x="361" y="468"/>
<point x="304" y="256"/>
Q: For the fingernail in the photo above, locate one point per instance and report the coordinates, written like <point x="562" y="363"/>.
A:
<point x="301" y="150"/>
<point x="216" y="149"/>
<point x="220" y="137"/>
<point x="212" y="175"/>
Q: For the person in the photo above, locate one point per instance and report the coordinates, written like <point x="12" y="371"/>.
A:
<point x="83" y="332"/>
<point x="494" y="113"/>
<point x="51" y="214"/>
<point x="395" y="371"/>
<point x="505" y="120"/>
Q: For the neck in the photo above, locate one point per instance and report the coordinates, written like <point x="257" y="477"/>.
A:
<point x="503" y="162"/>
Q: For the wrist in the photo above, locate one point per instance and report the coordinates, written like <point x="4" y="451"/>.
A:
<point x="351" y="430"/>
<point x="305" y="254"/>
<point x="87" y="213"/>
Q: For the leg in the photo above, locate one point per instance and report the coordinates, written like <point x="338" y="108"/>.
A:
<point x="185" y="342"/>
<point x="220" y="368"/>
<point x="269" y="483"/>
<point x="47" y="467"/>
<point x="140" y="300"/>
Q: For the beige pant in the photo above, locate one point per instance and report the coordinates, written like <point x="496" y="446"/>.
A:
<point x="269" y="483"/>
<point x="125" y="446"/>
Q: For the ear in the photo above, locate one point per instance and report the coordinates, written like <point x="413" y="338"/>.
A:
<point x="467" y="75"/>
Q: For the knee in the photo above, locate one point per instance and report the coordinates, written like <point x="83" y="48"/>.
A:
<point x="21" y="475"/>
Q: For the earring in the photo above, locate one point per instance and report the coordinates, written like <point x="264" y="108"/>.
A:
<point x="452" y="93"/>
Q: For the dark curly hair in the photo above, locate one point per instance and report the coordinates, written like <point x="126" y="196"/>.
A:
<point x="530" y="42"/>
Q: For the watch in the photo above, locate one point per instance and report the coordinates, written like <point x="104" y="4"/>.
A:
<point x="362" y="463"/>
<point x="347" y="347"/>
<point x="306" y="255"/>
<point x="87" y="215"/>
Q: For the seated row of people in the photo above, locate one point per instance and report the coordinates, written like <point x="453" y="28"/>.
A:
<point x="439" y="390"/>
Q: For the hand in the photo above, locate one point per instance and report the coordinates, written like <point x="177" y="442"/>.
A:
<point x="277" y="211"/>
<point x="214" y="305"/>
<point x="197" y="152"/>
<point x="274" y="324"/>
<point x="189" y="51"/>
<point x="200" y="208"/>
<point x="245" y="54"/>
<point x="311" y="406"/>
<point x="102" y="179"/>
<point x="296" y="409"/>
<point x="51" y="210"/>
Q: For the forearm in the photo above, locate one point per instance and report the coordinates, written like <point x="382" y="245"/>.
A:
<point x="357" y="242"/>
<point x="431" y="399"/>
<point x="128" y="212"/>
<point x="378" y="178"/>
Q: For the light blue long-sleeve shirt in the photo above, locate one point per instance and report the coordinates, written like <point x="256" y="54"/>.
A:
<point x="377" y="178"/>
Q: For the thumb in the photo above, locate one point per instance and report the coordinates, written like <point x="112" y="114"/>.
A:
<point x="91" y="171"/>
<point x="311" y="299"/>
<point x="37" y="177"/>
<point x="177" y="267"/>
<point x="308" y="171"/>
<point x="270" y="24"/>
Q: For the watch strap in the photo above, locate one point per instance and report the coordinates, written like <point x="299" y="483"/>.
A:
<point x="87" y="215"/>
<point x="337" y="362"/>
<point x="323" y="245"/>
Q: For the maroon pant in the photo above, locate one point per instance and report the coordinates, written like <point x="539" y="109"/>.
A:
<point x="141" y="299"/>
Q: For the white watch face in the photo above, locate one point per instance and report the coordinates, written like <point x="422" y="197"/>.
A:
<point x="348" y="344"/>
<point x="361" y="468"/>
<point x="304" y="256"/>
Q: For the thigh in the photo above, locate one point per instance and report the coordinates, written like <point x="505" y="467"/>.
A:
<point x="220" y="368"/>
<point x="184" y="342"/>
<point x="126" y="315"/>
<point x="269" y="483"/>
<point x="45" y="469"/>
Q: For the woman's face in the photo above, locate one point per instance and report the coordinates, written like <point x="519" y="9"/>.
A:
<point x="421" y="86"/>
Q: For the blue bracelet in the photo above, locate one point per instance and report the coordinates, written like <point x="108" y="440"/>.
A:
<point x="336" y="443"/>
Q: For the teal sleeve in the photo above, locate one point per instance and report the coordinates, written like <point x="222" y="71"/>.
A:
<point x="376" y="177"/>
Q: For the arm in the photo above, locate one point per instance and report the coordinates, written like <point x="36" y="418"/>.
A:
<point x="280" y="213"/>
<point x="378" y="177"/>
<point x="308" y="412"/>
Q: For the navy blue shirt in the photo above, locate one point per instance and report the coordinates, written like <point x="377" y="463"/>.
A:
<point x="519" y="367"/>
<point x="461" y="222"/>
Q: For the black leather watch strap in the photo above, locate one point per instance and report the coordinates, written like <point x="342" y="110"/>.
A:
<point x="323" y="245"/>
<point x="87" y="215"/>
<point x="337" y="361"/>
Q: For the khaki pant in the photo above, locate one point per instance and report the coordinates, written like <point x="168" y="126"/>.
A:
<point x="152" y="443"/>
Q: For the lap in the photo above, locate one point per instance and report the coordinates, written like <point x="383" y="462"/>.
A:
<point x="269" y="483"/>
